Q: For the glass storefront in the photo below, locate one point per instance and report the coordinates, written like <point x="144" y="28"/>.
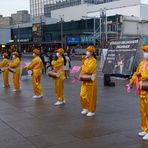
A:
<point x="74" y="32"/>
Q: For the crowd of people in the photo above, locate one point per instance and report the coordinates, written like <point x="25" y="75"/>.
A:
<point x="60" y="66"/>
<point x="88" y="76"/>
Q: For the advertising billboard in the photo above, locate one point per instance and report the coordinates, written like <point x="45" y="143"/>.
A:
<point x="37" y="32"/>
<point x="73" y="40"/>
<point x="87" y="39"/>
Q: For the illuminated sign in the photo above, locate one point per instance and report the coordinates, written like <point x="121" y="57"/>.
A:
<point x="87" y="39"/>
<point x="73" y="40"/>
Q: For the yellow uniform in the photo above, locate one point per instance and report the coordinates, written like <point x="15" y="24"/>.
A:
<point x="143" y="94"/>
<point x="4" y="64"/>
<point x="59" y="82"/>
<point x="36" y="67"/>
<point x="83" y="58"/>
<point x="16" y="75"/>
<point x="88" y="93"/>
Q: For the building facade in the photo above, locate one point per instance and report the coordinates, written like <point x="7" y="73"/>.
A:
<point x="137" y="8"/>
<point x="5" y="21"/>
<point x="44" y="7"/>
<point x="18" y="18"/>
<point x="76" y="9"/>
<point x="76" y="33"/>
<point x="82" y="32"/>
<point x="5" y="35"/>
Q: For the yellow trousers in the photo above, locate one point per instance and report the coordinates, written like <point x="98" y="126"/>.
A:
<point x="144" y="114"/>
<point x="36" y="82"/>
<point x="59" y="87"/>
<point x="6" y="78"/>
<point x="16" y="80"/>
<point x="88" y="96"/>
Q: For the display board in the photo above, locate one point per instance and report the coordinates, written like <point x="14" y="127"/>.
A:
<point x="120" y="57"/>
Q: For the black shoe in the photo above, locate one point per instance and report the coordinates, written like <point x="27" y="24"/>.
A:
<point x="111" y="84"/>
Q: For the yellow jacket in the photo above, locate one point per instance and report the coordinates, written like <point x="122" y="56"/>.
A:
<point x="83" y="58"/>
<point x="144" y="73"/>
<point x="143" y="76"/>
<point x="15" y="65"/>
<point x="58" y="66"/>
<point x="4" y="64"/>
<point x="36" y="65"/>
<point x="89" y="66"/>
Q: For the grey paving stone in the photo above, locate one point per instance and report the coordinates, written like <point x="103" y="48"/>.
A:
<point x="30" y="123"/>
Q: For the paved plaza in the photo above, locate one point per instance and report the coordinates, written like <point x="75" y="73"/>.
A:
<point x="30" y="123"/>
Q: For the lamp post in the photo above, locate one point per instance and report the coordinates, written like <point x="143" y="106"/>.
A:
<point x="61" y="20"/>
<point x="94" y="31"/>
<point x="103" y="24"/>
<point x="18" y="39"/>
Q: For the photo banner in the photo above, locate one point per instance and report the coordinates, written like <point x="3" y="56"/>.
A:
<point x="120" y="57"/>
<point x="37" y="32"/>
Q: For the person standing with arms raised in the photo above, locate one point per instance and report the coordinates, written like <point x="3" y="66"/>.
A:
<point x="88" y="93"/>
<point x="36" y="66"/>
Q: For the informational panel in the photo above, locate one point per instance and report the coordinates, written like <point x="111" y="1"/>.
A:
<point x="120" y="57"/>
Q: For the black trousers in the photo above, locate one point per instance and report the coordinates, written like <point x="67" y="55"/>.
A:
<point x="107" y="80"/>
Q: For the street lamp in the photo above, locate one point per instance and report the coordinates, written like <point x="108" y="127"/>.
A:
<point x="18" y="39"/>
<point x="61" y="20"/>
<point x="103" y="24"/>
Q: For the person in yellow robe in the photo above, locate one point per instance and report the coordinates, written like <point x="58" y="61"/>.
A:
<point x="142" y="74"/>
<point x="14" y="67"/>
<point x="4" y="64"/>
<point x="58" y="67"/>
<point x="36" y="66"/>
<point x="88" y="93"/>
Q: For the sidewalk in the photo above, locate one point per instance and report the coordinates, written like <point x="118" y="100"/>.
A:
<point x="29" y="123"/>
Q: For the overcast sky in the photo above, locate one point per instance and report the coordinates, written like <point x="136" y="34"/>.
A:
<point x="11" y="6"/>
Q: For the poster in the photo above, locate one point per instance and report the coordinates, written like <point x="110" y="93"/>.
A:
<point x="37" y="32"/>
<point x="120" y="57"/>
